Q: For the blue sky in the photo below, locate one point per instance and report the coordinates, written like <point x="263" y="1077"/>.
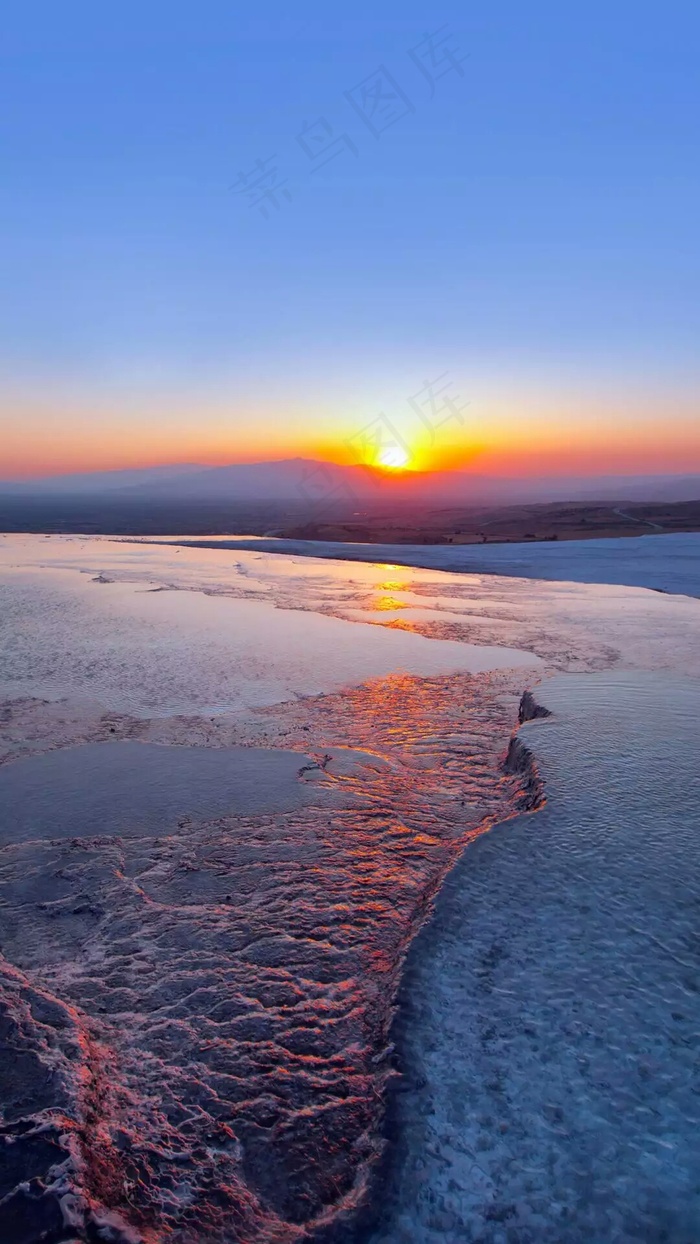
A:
<point x="529" y="224"/>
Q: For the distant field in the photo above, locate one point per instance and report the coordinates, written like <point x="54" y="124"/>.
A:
<point x="397" y="523"/>
<point x="503" y="525"/>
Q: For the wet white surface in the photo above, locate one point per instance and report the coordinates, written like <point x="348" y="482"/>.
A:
<point x="82" y="618"/>
<point x="666" y="563"/>
<point x="212" y="641"/>
<point x="238" y="974"/>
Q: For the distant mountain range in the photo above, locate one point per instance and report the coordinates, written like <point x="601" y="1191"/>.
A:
<point x="308" y="482"/>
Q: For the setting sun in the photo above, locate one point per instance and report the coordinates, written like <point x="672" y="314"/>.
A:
<point x="394" y="458"/>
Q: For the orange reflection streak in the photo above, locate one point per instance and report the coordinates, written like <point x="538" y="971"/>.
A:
<point x="243" y="972"/>
<point x="384" y="603"/>
<point x="399" y="582"/>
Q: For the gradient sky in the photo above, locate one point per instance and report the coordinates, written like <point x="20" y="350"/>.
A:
<point x="526" y="229"/>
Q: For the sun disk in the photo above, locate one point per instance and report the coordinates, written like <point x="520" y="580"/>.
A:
<point x="394" y="458"/>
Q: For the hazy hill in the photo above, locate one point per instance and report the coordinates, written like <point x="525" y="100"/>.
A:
<point x="305" y="482"/>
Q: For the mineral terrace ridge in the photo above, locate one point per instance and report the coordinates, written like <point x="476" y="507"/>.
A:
<point x="261" y="770"/>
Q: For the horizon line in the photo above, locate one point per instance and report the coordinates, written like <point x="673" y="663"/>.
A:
<point x="390" y="472"/>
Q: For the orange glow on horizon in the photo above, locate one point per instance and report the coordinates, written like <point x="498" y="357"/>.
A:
<point x="42" y="439"/>
<point x="515" y="464"/>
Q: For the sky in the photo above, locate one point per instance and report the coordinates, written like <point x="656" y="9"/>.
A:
<point x="440" y="235"/>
